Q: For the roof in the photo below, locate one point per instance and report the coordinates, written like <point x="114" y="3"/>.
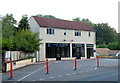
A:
<point x="113" y="52"/>
<point x="64" y="24"/>
<point x="103" y="51"/>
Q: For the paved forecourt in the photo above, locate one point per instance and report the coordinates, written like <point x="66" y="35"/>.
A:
<point x="60" y="70"/>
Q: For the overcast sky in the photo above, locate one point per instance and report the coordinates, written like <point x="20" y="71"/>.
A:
<point x="98" y="11"/>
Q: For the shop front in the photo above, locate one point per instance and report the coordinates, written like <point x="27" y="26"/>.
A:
<point x="78" y="50"/>
<point x="57" y="50"/>
<point x="90" y="50"/>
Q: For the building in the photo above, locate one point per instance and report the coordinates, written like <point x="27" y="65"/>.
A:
<point x="103" y="51"/>
<point x="62" y="39"/>
<point x="114" y="53"/>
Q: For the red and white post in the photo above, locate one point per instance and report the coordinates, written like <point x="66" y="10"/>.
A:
<point x="75" y="64"/>
<point x="47" y="66"/>
<point x="98" y="61"/>
<point x="11" y="69"/>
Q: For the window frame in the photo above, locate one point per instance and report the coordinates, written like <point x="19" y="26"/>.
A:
<point x="50" y="31"/>
<point x="89" y="33"/>
<point x="65" y="33"/>
<point x="77" y="33"/>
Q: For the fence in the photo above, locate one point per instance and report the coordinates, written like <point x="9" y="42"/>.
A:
<point x="17" y="55"/>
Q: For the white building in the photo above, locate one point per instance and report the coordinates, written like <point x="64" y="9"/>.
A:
<point x="62" y="39"/>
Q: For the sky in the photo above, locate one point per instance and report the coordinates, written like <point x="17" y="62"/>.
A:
<point x="97" y="11"/>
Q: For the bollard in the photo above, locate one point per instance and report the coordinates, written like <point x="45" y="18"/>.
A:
<point x="47" y="68"/>
<point x="98" y="62"/>
<point x="75" y="64"/>
<point x="11" y="70"/>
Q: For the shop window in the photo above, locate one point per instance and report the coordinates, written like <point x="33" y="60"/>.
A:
<point x="78" y="50"/>
<point x="55" y="49"/>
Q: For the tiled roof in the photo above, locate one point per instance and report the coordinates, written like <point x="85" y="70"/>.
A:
<point x="64" y="24"/>
<point x="113" y="52"/>
<point x="103" y="51"/>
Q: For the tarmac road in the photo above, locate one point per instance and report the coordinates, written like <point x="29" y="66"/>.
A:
<point x="63" y="71"/>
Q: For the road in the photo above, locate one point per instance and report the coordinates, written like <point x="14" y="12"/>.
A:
<point x="63" y="71"/>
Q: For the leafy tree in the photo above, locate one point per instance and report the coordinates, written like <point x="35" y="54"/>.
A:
<point x="82" y="20"/>
<point x="26" y="41"/>
<point x="8" y="26"/>
<point x="8" y="31"/>
<point x="113" y="46"/>
<point x="47" y="16"/>
<point x="104" y="33"/>
<point x="23" y="24"/>
<point x="102" y="46"/>
<point x="76" y="19"/>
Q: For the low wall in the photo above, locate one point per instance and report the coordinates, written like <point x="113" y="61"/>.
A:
<point x="20" y="64"/>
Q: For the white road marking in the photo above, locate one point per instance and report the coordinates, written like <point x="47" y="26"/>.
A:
<point x="59" y="75"/>
<point x="67" y="74"/>
<point x="42" y="79"/>
<point x="31" y="73"/>
<point x="73" y="73"/>
<point x="52" y="77"/>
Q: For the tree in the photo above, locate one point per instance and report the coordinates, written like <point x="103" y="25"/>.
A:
<point x="8" y="31"/>
<point x="76" y="19"/>
<point x="23" y="24"/>
<point x="26" y="41"/>
<point x="113" y="46"/>
<point x="8" y="26"/>
<point x="47" y="16"/>
<point x="104" y="33"/>
<point x="82" y="20"/>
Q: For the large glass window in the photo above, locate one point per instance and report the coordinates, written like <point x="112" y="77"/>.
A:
<point x="53" y="50"/>
<point x="78" y="50"/>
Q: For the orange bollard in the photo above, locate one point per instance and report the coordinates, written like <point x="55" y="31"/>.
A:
<point x="11" y="70"/>
<point x="98" y="61"/>
<point x="75" y="64"/>
<point x="47" y="68"/>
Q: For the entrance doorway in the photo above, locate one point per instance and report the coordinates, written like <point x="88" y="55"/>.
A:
<point x="89" y="52"/>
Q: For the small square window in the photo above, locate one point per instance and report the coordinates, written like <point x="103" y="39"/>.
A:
<point x="64" y="33"/>
<point x="89" y="34"/>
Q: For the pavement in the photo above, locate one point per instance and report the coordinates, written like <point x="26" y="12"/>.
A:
<point x="64" y="71"/>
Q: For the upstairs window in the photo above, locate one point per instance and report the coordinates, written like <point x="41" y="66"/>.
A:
<point x="89" y="34"/>
<point x="77" y="33"/>
<point x="65" y="32"/>
<point x="50" y="31"/>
